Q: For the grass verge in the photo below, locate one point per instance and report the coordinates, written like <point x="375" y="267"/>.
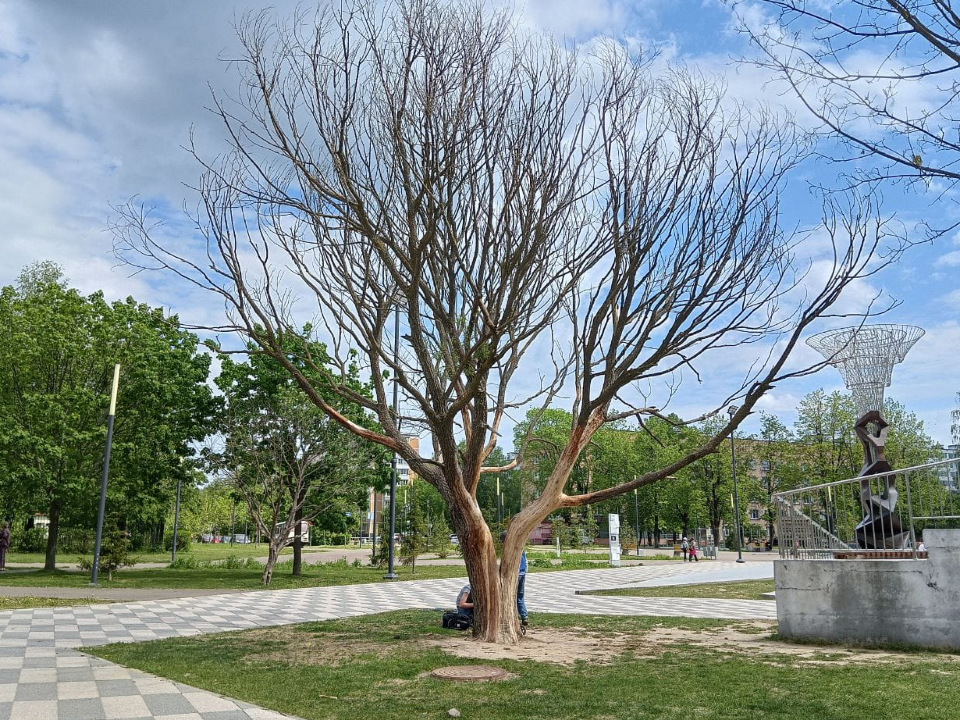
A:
<point x="741" y="590"/>
<point x="239" y="578"/>
<point x="377" y="666"/>
<point x="25" y="603"/>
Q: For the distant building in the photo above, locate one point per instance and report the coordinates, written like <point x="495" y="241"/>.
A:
<point x="377" y="502"/>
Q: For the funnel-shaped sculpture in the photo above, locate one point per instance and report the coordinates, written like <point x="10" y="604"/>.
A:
<point x="865" y="356"/>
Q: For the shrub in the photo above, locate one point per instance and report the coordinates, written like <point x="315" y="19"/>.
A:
<point x="33" y="540"/>
<point x="114" y="553"/>
<point x="186" y="562"/>
<point x="183" y="541"/>
<point x="75" y="540"/>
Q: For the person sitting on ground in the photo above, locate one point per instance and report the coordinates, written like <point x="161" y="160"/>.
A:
<point x="465" y="603"/>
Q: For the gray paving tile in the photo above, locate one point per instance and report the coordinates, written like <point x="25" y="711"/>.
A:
<point x="36" y="691"/>
<point x="83" y="709"/>
<point x="114" y="688"/>
<point x="168" y="704"/>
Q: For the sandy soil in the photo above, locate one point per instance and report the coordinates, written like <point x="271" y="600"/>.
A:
<point x="568" y="646"/>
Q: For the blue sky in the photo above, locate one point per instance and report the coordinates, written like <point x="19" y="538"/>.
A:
<point x="97" y="99"/>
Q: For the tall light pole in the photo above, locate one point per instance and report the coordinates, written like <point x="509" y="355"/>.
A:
<point x="636" y="518"/>
<point x="391" y="575"/>
<point x="103" y="475"/>
<point x="731" y="411"/>
<point x="176" y="519"/>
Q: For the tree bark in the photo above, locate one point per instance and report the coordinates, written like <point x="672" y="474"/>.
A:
<point x="53" y="534"/>
<point x="272" y="554"/>
<point x="297" y="538"/>
<point x="492" y="585"/>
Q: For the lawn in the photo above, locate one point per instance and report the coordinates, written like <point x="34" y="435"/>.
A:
<point x="23" y="603"/>
<point x="203" y="551"/>
<point x="242" y="578"/>
<point x="742" y="590"/>
<point x="656" y="669"/>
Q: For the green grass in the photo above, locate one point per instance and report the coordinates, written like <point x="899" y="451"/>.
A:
<point x="376" y="667"/>
<point x="23" y="603"/>
<point x="203" y="551"/>
<point x="333" y="573"/>
<point x="742" y="590"/>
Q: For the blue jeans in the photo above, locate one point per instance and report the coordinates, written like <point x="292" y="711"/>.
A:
<point x="521" y="605"/>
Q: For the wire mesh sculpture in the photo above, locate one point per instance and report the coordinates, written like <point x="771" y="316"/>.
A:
<point x="865" y="356"/>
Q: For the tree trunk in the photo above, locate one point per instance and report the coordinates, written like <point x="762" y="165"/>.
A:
<point x="53" y="533"/>
<point x="493" y="587"/>
<point x="297" y="540"/>
<point x="272" y="554"/>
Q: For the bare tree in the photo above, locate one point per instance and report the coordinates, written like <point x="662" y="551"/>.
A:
<point x="879" y="74"/>
<point x="529" y="210"/>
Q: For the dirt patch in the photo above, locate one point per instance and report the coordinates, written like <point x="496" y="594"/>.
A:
<point x="754" y="639"/>
<point x="569" y="646"/>
<point x="328" y="649"/>
<point x="564" y="647"/>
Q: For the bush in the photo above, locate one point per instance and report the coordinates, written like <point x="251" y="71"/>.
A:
<point x="235" y="562"/>
<point x="186" y="562"/>
<point x="75" y="540"/>
<point x="114" y="553"/>
<point x="183" y="541"/>
<point x="33" y="540"/>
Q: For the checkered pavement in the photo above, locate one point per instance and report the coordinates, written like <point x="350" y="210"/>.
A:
<point x="43" y="677"/>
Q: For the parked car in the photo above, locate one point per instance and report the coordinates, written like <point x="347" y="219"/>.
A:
<point x="454" y="540"/>
<point x="241" y="539"/>
<point x="206" y="538"/>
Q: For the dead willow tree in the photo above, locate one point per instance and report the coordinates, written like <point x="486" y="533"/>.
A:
<point x="528" y="210"/>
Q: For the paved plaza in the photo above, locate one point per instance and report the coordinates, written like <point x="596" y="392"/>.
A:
<point x="44" y="677"/>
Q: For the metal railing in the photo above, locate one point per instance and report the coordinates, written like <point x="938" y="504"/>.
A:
<point x="874" y="516"/>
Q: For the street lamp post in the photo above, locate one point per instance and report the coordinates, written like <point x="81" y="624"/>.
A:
<point x="103" y="476"/>
<point x="731" y="411"/>
<point x="391" y="575"/>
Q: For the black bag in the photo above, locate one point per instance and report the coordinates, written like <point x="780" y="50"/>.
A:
<point x="455" y="621"/>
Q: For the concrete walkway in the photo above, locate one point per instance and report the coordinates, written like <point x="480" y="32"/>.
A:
<point x="44" y="677"/>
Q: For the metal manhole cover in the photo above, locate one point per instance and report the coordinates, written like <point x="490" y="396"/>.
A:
<point x="466" y="673"/>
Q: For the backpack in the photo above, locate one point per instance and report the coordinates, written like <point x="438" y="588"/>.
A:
<point x="455" y="621"/>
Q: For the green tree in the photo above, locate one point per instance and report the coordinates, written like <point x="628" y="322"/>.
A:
<point x="289" y="460"/>
<point x="416" y="540"/>
<point x="57" y="351"/>
<point x="778" y="456"/>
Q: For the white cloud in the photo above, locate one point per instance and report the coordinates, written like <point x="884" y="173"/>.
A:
<point x="951" y="259"/>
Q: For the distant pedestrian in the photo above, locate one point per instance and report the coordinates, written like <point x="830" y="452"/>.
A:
<point x="4" y="544"/>
<point x="693" y="552"/>
<point x="685" y="547"/>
